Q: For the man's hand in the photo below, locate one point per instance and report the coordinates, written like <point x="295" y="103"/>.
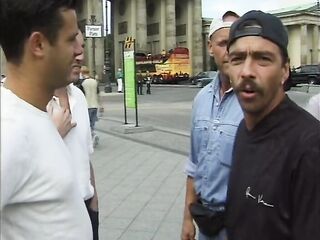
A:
<point x="188" y="230"/>
<point x="62" y="119"/>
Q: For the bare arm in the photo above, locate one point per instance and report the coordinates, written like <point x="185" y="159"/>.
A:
<point x="94" y="200"/>
<point x="188" y="228"/>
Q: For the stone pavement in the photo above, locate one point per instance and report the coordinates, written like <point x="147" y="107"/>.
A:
<point x="140" y="182"/>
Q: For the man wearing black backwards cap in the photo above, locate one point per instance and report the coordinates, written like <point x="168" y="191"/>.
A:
<point x="216" y="115"/>
<point x="274" y="188"/>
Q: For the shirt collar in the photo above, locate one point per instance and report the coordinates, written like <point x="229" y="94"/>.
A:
<point x="215" y="85"/>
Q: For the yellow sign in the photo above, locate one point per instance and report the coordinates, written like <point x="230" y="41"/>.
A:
<point x="128" y="43"/>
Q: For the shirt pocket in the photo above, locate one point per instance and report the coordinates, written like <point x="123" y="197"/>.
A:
<point x="201" y="129"/>
<point x="227" y="136"/>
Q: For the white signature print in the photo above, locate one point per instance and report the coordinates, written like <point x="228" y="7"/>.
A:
<point x="259" y="199"/>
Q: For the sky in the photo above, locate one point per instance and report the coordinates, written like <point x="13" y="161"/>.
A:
<point x="216" y="8"/>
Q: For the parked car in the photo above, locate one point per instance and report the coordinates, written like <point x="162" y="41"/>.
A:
<point x="203" y="78"/>
<point x="305" y="74"/>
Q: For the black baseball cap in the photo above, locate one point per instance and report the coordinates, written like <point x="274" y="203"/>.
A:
<point x="258" y="23"/>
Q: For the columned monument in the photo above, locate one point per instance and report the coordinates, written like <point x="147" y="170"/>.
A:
<point x="157" y="26"/>
<point x="162" y="25"/>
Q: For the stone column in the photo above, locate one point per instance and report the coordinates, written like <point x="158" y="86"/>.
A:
<point x="163" y="42"/>
<point x="170" y="24"/>
<point x="141" y="19"/>
<point x="315" y="45"/>
<point x="190" y="27"/>
<point x="304" y="44"/>
<point x="197" y="57"/>
<point x="94" y="7"/>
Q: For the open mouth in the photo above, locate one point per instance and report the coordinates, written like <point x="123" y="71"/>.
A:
<point x="248" y="93"/>
<point x="76" y="66"/>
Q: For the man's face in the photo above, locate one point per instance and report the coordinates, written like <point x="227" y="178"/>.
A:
<point x="217" y="46"/>
<point x="257" y="74"/>
<point x="63" y="53"/>
<point x="78" y="61"/>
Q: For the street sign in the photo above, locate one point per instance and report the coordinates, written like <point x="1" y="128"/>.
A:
<point x="93" y="31"/>
<point x="129" y="69"/>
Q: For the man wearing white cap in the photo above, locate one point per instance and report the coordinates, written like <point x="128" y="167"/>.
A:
<point x="215" y="118"/>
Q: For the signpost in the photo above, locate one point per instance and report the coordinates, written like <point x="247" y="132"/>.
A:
<point x="130" y="88"/>
<point x="93" y="31"/>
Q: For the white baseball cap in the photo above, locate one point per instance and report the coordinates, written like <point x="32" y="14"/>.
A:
<point x="217" y="24"/>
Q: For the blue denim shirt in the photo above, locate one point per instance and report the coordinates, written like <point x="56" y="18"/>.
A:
<point x="213" y="129"/>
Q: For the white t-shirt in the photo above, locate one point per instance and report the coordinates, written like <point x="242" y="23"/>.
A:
<point x="78" y="140"/>
<point x="39" y="197"/>
<point x="90" y="86"/>
<point x="313" y="106"/>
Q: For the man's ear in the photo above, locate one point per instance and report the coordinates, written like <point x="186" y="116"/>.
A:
<point x="209" y="46"/>
<point x="286" y="72"/>
<point x="37" y="43"/>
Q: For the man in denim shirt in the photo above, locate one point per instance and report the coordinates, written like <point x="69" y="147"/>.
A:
<point x="215" y="118"/>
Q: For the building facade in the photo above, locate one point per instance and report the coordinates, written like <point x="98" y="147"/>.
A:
<point x="303" y="25"/>
<point x="159" y="25"/>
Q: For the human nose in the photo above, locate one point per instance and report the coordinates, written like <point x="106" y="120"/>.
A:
<point x="247" y="70"/>
<point x="78" y="50"/>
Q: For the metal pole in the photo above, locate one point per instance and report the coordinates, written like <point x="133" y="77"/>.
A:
<point x="124" y="86"/>
<point x="135" y="83"/>
<point x="94" y="56"/>
<point x="107" y="87"/>
<point x="93" y="21"/>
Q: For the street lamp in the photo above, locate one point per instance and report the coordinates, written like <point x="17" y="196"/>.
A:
<point x="107" y="64"/>
<point x="93" y="20"/>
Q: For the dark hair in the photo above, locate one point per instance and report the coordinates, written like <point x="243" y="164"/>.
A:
<point x="19" y="18"/>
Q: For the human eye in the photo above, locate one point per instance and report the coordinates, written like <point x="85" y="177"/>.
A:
<point x="222" y="43"/>
<point x="235" y="59"/>
<point x="264" y="59"/>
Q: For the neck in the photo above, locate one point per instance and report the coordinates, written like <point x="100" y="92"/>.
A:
<point x="28" y="86"/>
<point x="225" y="83"/>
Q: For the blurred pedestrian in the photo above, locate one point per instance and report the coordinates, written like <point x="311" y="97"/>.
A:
<point x="148" y="83"/>
<point x="119" y="76"/>
<point x="140" y="86"/>
<point x="91" y="90"/>
<point x="40" y="198"/>
<point x="274" y="187"/>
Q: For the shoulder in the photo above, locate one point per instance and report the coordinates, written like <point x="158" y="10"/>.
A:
<point x="205" y="93"/>
<point x="303" y="127"/>
<point x="76" y="91"/>
<point x="78" y="95"/>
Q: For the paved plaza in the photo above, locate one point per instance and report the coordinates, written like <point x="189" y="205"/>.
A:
<point x="141" y="185"/>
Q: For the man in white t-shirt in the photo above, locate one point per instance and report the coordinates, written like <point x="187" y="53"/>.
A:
<point x="69" y="111"/>
<point x="40" y="198"/>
